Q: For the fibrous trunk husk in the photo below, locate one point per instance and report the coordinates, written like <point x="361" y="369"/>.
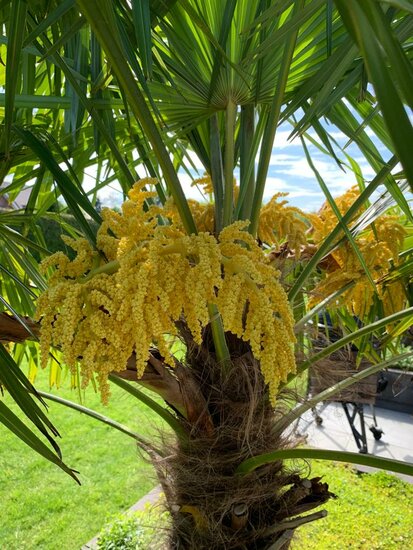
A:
<point x="211" y="506"/>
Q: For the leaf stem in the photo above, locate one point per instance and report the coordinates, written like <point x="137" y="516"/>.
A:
<point x="218" y="335"/>
<point x="217" y="171"/>
<point x="231" y="113"/>
<point x="247" y="177"/>
<point x="149" y="402"/>
<point x="251" y="464"/>
<point x="289" y="418"/>
<point x="272" y="123"/>
<point x="143" y="442"/>
<point x="353" y="336"/>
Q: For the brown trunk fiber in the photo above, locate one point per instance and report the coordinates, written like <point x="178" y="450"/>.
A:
<point x="212" y="507"/>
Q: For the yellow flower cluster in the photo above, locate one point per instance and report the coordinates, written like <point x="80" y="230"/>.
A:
<point x="279" y="222"/>
<point x="254" y="305"/>
<point x="102" y="307"/>
<point x="203" y="214"/>
<point x="325" y="220"/>
<point x="205" y="182"/>
<point x="379" y="245"/>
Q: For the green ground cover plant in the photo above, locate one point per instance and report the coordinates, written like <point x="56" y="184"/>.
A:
<point x="42" y="509"/>
<point x="138" y="530"/>
<point x="372" y="512"/>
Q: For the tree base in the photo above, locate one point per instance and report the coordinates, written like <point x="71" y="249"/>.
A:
<point x="211" y="506"/>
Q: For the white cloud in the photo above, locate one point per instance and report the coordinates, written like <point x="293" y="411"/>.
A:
<point x="194" y="192"/>
<point x="332" y="175"/>
<point x="281" y="140"/>
<point x="282" y="159"/>
<point x="273" y="186"/>
<point x="300" y="168"/>
<point x="301" y="192"/>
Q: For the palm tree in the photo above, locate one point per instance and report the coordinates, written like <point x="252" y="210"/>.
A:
<point x="136" y="87"/>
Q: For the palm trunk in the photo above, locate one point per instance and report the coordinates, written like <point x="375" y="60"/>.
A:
<point x="212" y="507"/>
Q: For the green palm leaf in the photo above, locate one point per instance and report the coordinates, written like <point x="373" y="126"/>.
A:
<point x="14" y="381"/>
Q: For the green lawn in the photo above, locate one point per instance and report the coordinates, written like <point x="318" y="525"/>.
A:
<point x="41" y="507"/>
<point x="372" y="512"/>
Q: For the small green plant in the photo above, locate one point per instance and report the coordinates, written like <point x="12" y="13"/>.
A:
<point x="140" y="530"/>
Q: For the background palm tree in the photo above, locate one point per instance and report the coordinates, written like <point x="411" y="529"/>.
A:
<point x="132" y="87"/>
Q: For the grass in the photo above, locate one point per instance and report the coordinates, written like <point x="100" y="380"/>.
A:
<point x="41" y="507"/>
<point x="372" y="512"/>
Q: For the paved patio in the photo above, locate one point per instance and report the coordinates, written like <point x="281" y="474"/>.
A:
<point x="335" y="433"/>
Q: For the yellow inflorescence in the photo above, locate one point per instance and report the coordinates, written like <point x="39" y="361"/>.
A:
<point x="379" y="245"/>
<point x="203" y="214"/>
<point x="280" y="222"/>
<point x="325" y="220"/>
<point x="102" y="307"/>
<point x="205" y="182"/>
<point x="268" y="322"/>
